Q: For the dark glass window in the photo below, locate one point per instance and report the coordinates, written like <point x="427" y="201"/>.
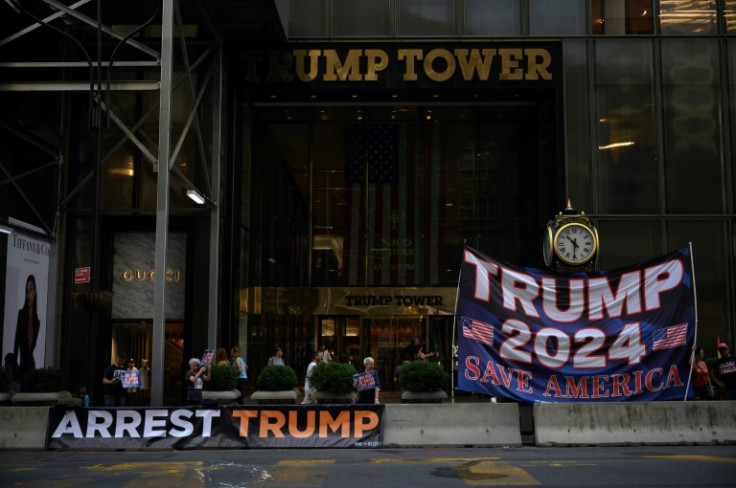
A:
<point x="616" y="17"/>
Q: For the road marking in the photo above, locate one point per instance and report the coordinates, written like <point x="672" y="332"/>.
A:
<point x="189" y="474"/>
<point x="694" y="457"/>
<point x="482" y="471"/>
<point x="431" y="460"/>
<point x="305" y="462"/>
<point x="492" y="473"/>
<point x="296" y="472"/>
<point x="168" y="467"/>
<point x="556" y="464"/>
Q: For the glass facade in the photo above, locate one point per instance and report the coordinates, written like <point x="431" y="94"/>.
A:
<point x="645" y="131"/>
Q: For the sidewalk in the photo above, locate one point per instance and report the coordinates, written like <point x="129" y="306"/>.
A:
<point x="392" y="397"/>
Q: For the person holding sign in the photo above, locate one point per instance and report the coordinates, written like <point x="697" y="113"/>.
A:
<point x="115" y="395"/>
<point x="367" y="383"/>
<point x="194" y="379"/>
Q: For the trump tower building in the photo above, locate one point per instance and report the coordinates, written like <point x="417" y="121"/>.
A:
<point x="182" y="175"/>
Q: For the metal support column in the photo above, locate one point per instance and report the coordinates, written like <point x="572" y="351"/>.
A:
<point x="218" y="102"/>
<point x="162" y="204"/>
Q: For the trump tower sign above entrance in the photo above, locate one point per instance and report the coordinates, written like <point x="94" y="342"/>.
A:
<point x="377" y="66"/>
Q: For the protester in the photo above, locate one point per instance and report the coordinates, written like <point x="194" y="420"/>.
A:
<point x="369" y="395"/>
<point x="194" y="379"/>
<point x="410" y="351"/>
<point x="277" y="359"/>
<point x="115" y="395"/>
<point x="221" y="357"/>
<point x="397" y="374"/>
<point x="421" y="355"/>
<point x="240" y="375"/>
<point x="723" y="373"/>
<point x="325" y="352"/>
<point x="700" y="377"/>
<point x="308" y="388"/>
<point x="12" y="373"/>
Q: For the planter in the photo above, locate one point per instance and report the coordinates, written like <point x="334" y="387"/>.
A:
<point x="329" y="397"/>
<point x="41" y="398"/>
<point x="423" y="396"/>
<point x="275" y="397"/>
<point x="223" y="397"/>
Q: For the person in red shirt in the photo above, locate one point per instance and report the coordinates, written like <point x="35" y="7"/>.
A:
<point x="701" y="377"/>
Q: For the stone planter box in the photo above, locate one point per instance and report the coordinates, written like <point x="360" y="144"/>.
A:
<point x="43" y="398"/>
<point x="327" y="397"/>
<point x="423" y="396"/>
<point x="223" y="397"/>
<point x="275" y="397"/>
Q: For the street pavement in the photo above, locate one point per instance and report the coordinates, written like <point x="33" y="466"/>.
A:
<point x="594" y="467"/>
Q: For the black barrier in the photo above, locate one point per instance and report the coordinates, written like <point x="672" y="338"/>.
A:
<point x="246" y="427"/>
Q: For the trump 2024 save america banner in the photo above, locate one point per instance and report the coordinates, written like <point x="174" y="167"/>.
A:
<point x="533" y="336"/>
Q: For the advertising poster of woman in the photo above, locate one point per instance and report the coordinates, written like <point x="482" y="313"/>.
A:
<point x="26" y="294"/>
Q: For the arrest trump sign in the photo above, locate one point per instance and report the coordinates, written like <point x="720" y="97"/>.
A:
<point x="533" y="336"/>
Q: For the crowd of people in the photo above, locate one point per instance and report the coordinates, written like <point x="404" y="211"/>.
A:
<point x="717" y="382"/>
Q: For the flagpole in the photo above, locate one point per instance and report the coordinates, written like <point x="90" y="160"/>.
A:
<point x="454" y="328"/>
<point x="695" y="305"/>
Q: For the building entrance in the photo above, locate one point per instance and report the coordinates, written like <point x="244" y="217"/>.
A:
<point x="350" y="339"/>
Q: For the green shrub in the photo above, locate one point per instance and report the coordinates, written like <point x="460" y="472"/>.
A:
<point x="333" y="377"/>
<point x="423" y="376"/>
<point x="42" y="380"/>
<point x="277" y="378"/>
<point x="222" y="378"/>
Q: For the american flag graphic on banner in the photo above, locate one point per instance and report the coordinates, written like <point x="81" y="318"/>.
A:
<point x="477" y="330"/>
<point x="669" y="337"/>
<point x="392" y="220"/>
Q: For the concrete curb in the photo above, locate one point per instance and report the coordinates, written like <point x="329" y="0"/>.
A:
<point x="606" y="424"/>
<point x="23" y="427"/>
<point x="458" y="425"/>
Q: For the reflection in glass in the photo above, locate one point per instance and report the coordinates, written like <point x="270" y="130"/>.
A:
<point x="627" y="168"/>
<point x="426" y="18"/>
<point x="692" y="126"/>
<point x="687" y="16"/>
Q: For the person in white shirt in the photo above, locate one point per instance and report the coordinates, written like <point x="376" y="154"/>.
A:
<point x="326" y="356"/>
<point x="308" y="388"/>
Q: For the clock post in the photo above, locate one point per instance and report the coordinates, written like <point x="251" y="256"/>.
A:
<point x="570" y="242"/>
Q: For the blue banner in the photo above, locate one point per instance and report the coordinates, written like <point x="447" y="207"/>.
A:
<point x="606" y="336"/>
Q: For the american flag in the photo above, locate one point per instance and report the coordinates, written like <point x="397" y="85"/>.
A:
<point x="477" y="330"/>
<point x="669" y="337"/>
<point x="392" y="220"/>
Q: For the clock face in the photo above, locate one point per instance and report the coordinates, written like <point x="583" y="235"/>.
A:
<point x="575" y="244"/>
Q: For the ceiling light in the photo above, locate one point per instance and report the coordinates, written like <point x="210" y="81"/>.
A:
<point x="195" y="196"/>
<point x="616" y="145"/>
<point x="5" y="230"/>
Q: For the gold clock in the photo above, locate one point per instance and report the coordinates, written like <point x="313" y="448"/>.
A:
<point x="575" y="244"/>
